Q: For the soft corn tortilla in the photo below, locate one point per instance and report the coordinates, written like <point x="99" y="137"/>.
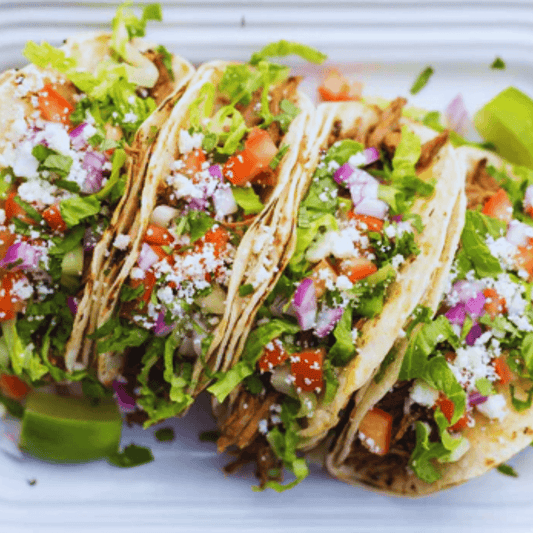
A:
<point x="492" y="442"/>
<point x="379" y="334"/>
<point x="254" y="251"/>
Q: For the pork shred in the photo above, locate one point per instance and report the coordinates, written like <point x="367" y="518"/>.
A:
<point x="480" y="185"/>
<point x="389" y="121"/>
<point x="164" y="85"/>
<point x="383" y="469"/>
<point x="429" y="151"/>
<point x="240" y="430"/>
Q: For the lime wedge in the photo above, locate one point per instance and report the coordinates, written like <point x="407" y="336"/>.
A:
<point x="69" y="430"/>
<point x="507" y="122"/>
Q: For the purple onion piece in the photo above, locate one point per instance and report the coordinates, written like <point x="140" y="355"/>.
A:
<point x="124" y="400"/>
<point x="305" y="304"/>
<point x="397" y="218"/>
<point x="224" y="201"/>
<point x="161" y="328"/>
<point x="475" y="332"/>
<point x="216" y="172"/>
<point x="326" y="321"/>
<point x="93" y="163"/>
<point x="147" y="257"/>
<point x="72" y="304"/>
<point x="457" y="115"/>
<point x="467" y="289"/>
<point x="372" y="155"/>
<point x="343" y="173"/>
<point x="89" y="240"/>
<point x="362" y="186"/>
<point x="372" y="207"/>
<point x="77" y="138"/>
<point x="475" y="307"/>
<point x="457" y="314"/>
<point x="475" y="398"/>
<point x="21" y="256"/>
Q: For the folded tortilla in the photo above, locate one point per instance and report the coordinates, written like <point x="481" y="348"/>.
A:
<point x="259" y="246"/>
<point x="20" y="88"/>
<point x="492" y="441"/>
<point x="438" y="164"/>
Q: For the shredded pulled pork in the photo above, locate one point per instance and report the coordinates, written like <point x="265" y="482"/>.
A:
<point x="164" y="85"/>
<point x="430" y="149"/>
<point x="480" y="185"/>
<point x="388" y="122"/>
<point x="242" y="425"/>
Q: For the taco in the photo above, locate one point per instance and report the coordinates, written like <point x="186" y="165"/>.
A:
<point x="376" y="192"/>
<point x="207" y="234"/>
<point x="456" y="398"/>
<point x="75" y="124"/>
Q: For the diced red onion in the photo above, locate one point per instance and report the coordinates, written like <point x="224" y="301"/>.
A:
<point x="72" y="304"/>
<point x="475" y="307"/>
<point x="457" y="314"/>
<point x="77" y="138"/>
<point x="305" y="305"/>
<point x="397" y="218"/>
<point x="162" y="215"/>
<point x="467" y="289"/>
<point x="372" y="155"/>
<point x="147" y="257"/>
<point x="362" y="185"/>
<point x="518" y="233"/>
<point x="457" y="115"/>
<point x="161" y="328"/>
<point x="326" y="320"/>
<point x="224" y="201"/>
<point x="372" y="207"/>
<point x="216" y="172"/>
<point x="343" y="173"/>
<point x="475" y="332"/>
<point x="475" y="398"/>
<point x="21" y="256"/>
<point x="93" y="163"/>
<point x="124" y="400"/>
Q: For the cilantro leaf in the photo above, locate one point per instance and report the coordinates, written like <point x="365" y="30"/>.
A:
<point x="498" y="64"/>
<point x="507" y="470"/>
<point x="164" y="435"/>
<point x="132" y="455"/>
<point x="421" y="80"/>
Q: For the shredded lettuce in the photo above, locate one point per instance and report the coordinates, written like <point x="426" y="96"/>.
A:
<point x="75" y="209"/>
<point x="420" y="461"/>
<point x="406" y="155"/>
<point x="247" y="199"/>
<point x="285" y="48"/>
<point x="343" y="351"/>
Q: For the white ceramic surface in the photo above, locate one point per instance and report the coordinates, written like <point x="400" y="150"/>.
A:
<point x="385" y="45"/>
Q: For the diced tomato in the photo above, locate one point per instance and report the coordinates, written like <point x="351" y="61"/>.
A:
<point x="158" y="235"/>
<point x="524" y="258"/>
<point x="6" y="240"/>
<point x="306" y="367"/>
<point x="357" y="268"/>
<point x="193" y="161"/>
<point x="53" y="106"/>
<point x="494" y="305"/>
<point x="13" y="387"/>
<point x="321" y="272"/>
<point x="259" y="150"/>
<point x="218" y="237"/>
<point x="499" y="206"/>
<point x="14" y="210"/>
<point x="53" y="218"/>
<point x="376" y="426"/>
<point x="9" y="304"/>
<point x="273" y="355"/>
<point x="447" y="407"/>
<point x="372" y="223"/>
<point x="148" y="282"/>
<point x="336" y="88"/>
<point x="502" y="369"/>
<point x="161" y="254"/>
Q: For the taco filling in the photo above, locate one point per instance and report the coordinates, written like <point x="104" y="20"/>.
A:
<point x="62" y="158"/>
<point x="355" y="232"/>
<point x="471" y="365"/>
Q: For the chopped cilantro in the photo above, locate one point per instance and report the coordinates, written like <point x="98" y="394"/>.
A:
<point x="209" y="436"/>
<point x="132" y="455"/>
<point x="245" y="290"/>
<point x="278" y="157"/>
<point x="507" y="470"/>
<point x="498" y="64"/>
<point x="164" y="435"/>
<point x="128" y="294"/>
<point x="422" y="80"/>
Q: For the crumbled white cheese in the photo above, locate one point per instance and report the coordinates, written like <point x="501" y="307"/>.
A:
<point x="187" y="143"/>
<point x="494" y="408"/>
<point x="422" y="394"/>
<point x="122" y="242"/>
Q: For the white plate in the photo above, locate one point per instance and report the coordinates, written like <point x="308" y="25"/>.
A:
<point x="385" y="45"/>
